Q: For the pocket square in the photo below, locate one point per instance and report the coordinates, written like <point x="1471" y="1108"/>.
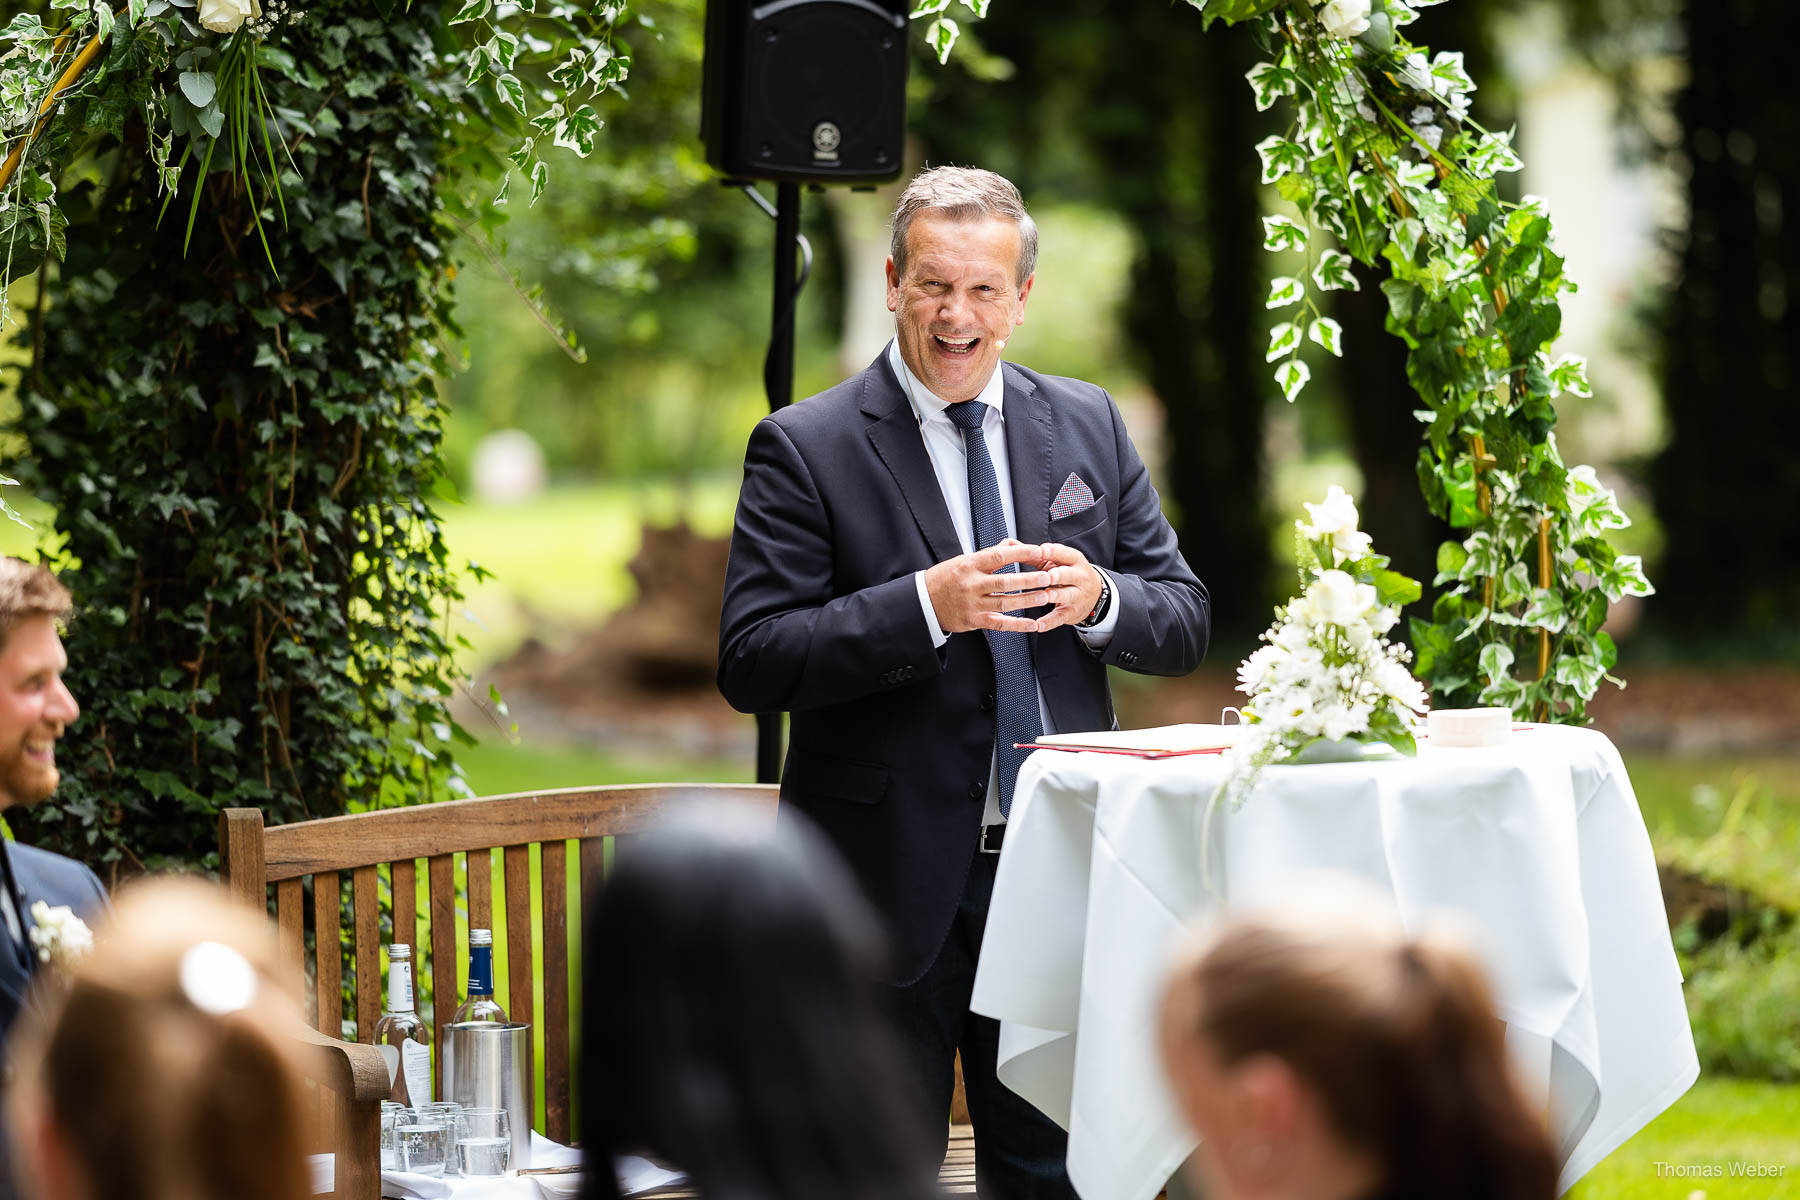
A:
<point x="1073" y="498"/>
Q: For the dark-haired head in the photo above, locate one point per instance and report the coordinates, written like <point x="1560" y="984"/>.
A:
<point x="730" y="1021"/>
<point x="1318" y="1044"/>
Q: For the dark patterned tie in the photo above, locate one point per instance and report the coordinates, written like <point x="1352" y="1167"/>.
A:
<point x="1016" y="715"/>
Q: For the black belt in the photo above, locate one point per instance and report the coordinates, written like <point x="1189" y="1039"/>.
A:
<point x="991" y="837"/>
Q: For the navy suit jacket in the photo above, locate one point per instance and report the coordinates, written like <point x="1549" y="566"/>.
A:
<point x="40" y="875"/>
<point x="891" y="739"/>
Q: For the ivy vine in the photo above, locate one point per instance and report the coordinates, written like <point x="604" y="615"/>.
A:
<point x="241" y="447"/>
<point x="1385" y="166"/>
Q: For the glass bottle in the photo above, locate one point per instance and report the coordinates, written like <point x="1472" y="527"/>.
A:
<point x="481" y="1005"/>
<point x="404" y="1040"/>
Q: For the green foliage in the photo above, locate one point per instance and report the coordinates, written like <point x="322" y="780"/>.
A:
<point x="1382" y="159"/>
<point x="240" y="444"/>
<point x="1744" y="1005"/>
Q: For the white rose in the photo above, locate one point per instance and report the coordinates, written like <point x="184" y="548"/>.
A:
<point x="1352" y="544"/>
<point x="224" y="16"/>
<point x="1338" y="513"/>
<point x="1339" y="599"/>
<point x="1345" y="18"/>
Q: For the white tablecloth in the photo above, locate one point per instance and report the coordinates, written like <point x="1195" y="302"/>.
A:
<point x="1538" y="845"/>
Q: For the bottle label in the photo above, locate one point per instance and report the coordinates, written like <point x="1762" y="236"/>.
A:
<point x="400" y="989"/>
<point x="415" y="1060"/>
<point x="481" y="970"/>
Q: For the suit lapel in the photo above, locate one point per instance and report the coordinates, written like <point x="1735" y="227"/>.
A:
<point x="894" y="433"/>
<point x="1030" y="444"/>
<point x="15" y="957"/>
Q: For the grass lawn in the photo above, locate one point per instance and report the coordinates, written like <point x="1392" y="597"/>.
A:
<point x="562" y="556"/>
<point x="1720" y="1122"/>
<point x="495" y="768"/>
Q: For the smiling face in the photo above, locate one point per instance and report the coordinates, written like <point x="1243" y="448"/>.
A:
<point x="958" y="301"/>
<point x="35" y="708"/>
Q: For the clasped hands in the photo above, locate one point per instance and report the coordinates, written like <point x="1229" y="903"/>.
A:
<point x="968" y="592"/>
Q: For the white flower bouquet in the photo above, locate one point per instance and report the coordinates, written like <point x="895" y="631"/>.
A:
<point x="1328" y="673"/>
<point x="59" y="936"/>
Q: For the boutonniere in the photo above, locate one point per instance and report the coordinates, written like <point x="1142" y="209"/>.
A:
<point x="59" y="936"/>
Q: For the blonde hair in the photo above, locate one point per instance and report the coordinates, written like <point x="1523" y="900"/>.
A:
<point x="28" y="590"/>
<point x="964" y="194"/>
<point x="1397" y="1035"/>
<point x="160" y="1059"/>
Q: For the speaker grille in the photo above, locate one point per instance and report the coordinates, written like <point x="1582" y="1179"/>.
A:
<point x="820" y="92"/>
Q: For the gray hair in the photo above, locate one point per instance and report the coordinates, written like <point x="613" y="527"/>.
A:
<point x="964" y="194"/>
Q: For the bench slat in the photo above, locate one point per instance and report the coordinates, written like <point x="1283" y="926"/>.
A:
<point x="366" y="897"/>
<point x="404" y="875"/>
<point x="328" y="958"/>
<point x="445" y="993"/>
<point x="520" y="971"/>
<point x="290" y="928"/>
<point x="337" y="843"/>
<point x="481" y="888"/>
<point x="553" y="872"/>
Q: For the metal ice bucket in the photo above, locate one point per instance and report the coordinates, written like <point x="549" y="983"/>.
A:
<point x="484" y="1067"/>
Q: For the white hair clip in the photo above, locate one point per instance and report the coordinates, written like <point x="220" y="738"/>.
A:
<point x="217" y="979"/>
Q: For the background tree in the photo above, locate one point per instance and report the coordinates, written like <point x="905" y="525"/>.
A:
<point x="1727" y="486"/>
<point x="240" y="447"/>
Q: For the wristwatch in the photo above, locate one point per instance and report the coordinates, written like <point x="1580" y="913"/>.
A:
<point x="1100" y="605"/>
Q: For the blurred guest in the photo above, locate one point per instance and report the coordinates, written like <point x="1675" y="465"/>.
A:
<point x="1323" y="1055"/>
<point x="153" y="1068"/>
<point x="731" y="1023"/>
<point x="35" y="709"/>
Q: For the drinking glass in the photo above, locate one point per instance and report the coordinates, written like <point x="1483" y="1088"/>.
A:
<point x="484" y="1141"/>
<point x="424" y="1140"/>
<point x="390" y="1151"/>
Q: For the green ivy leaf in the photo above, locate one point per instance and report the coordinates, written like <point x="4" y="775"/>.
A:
<point x="1283" y="291"/>
<point x="540" y="175"/>
<point x="512" y="92"/>
<point x="1496" y="660"/>
<point x="926" y="8"/>
<point x="473" y="10"/>
<point x="1291" y="376"/>
<point x="578" y="130"/>
<point x="1284" y="339"/>
<point x="1395" y="590"/>
<point x="1546" y="611"/>
<point x="978" y="7"/>
<point x="1329" y="334"/>
<point x="1283" y="233"/>
<point x="942" y="35"/>
<point x="1279" y="157"/>
<point x="1270" y="83"/>
<point x="1333" y="273"/>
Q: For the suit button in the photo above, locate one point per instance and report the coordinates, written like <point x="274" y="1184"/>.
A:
<point x="975" y="790"/>
<point x="987" y="703"/>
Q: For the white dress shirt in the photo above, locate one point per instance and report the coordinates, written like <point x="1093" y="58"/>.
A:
<point x="950" y="461"/>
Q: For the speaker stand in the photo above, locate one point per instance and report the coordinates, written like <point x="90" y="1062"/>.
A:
<point x="778" y="383"/>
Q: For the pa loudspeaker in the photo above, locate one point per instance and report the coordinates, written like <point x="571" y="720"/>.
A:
<point x="805" y="91"/>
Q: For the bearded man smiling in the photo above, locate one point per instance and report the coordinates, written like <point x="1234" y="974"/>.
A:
<point x="35" y="709"/>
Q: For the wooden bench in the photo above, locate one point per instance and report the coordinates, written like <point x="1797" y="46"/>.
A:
<point x="376" y="855"/>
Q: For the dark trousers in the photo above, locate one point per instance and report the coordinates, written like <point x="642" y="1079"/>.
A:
<point x="1020" y="1154"/>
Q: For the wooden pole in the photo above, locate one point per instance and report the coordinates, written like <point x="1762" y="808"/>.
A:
<point x="75" y="70"/>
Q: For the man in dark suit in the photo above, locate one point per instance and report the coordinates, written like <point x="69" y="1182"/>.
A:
<point x="35" y="708"/>
<point x="933" y="561"/>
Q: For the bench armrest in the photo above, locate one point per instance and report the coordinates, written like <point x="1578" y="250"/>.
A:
<point x="357" y="1077"/>
<point x="352" y="1070"/>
